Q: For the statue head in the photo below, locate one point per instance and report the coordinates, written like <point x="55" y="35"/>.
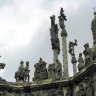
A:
<point x="21" y="62"/>
<point x="61" y="11"/>
<point x="27" y="63"/>
<point x="40" y="60"/>
<point x="86" y="45"/>
<point x="80" y="54"/>
<point x="81" y="87"/>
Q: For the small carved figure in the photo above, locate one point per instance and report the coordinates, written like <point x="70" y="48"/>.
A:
<point x="81" y="91"/>
<point x="51" y="71"/>
<point x="27" y="71"/>
<point x="62" y="17"/>
<point x="88" y="54"/>
<point x="81" y="62"/>
<point x="59" y="92"/>
<point x="69" y="92"/>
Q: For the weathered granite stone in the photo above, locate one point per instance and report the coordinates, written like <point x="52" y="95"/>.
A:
<point x="81" y="91"/>
<point x="88" y="54"/>
<point x="40" y="71"/>
<point x="81" y="62"/>
<point x="51" y="71"/>
<point x="20" y="74"/>
<point x="54" y="35"/>
<point x="27" y="71"/>
<point x="58" y="70"/>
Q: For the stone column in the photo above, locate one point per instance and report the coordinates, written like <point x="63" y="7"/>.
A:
<point x="64" y="51"/>
<point x="62" y="18"/>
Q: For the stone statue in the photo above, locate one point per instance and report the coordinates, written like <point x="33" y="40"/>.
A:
<point x="81" y="91"/>
<point x="27" y="71"/>
<point x="69" y="92"/>
<point x="89" y="89"/>
<point x="55" y="92"/>
<point x="88" y="54"/>
<point x="81" y="62"/>
<point x="59" y="92"/>
<point x="58" y="69"/>
<point x="51" y="71"/>
<point x="93" y="28"/>
<point x="40" y="71"/>
<point x="54" y="35"/>
<point x="62" y="17"/>
<point x="88" y="86"/>
<point x="20" y="74"/>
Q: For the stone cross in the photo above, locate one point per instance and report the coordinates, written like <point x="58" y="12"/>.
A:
<point x="62" y="18"/>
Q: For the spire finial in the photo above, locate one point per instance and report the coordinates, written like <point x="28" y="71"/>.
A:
<point x="94" y="11"/>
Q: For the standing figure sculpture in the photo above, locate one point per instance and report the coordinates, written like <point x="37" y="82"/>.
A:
<point x="88" y="54"/>
<point x="51" y="71"/>
<point x="40" y="71"/>
<point x="20" y="74"/>
<point x="27" y="71"/>
<point x="54" y="38"/>
<point x="71" y="51"/>
<point x="81" y="91"/>
<point x="81" y="62"/>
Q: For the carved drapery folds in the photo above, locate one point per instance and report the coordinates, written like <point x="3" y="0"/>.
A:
<point x="40" y="71"/>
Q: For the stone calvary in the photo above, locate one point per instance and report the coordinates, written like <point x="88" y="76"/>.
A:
<point x="54" y="79"/>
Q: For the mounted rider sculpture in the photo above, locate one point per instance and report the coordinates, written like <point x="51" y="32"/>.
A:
<point x="23" y="73"/>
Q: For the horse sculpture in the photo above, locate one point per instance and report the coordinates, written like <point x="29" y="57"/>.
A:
<point x="23" y="73"/>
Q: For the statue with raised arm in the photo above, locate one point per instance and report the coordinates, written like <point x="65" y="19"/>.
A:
<point x="62" y="18"/>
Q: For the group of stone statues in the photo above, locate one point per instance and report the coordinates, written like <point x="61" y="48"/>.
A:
<point x="55" y="70"/>
<point x="88" y="57"/>
<point x="23" y="72"/>
<point x="42" y="73"/>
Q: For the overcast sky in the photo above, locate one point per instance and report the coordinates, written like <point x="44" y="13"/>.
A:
<point x="25" y="35"/>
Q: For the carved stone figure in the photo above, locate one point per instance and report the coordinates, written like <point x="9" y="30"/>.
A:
<point x="93" y="28"/>
<point x="55" y="92"/>
<point x="88" y="86"/>
<point x="81" y="62"/>
<point x="59" y="92"/>
<point x="51" y="71"/>
<point x="89" y="89"/>
<point x="81" y="91"/>
<point x="20" y="74"/>
<point x="88" y="54"/>
<point x="40" y="71"/>
<point x="27" y="71"/>
<point x="62" y="17"/>
<point x="58" y="69"/>
<point x="54" y="35"/>
<point x="69" y="92"/>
